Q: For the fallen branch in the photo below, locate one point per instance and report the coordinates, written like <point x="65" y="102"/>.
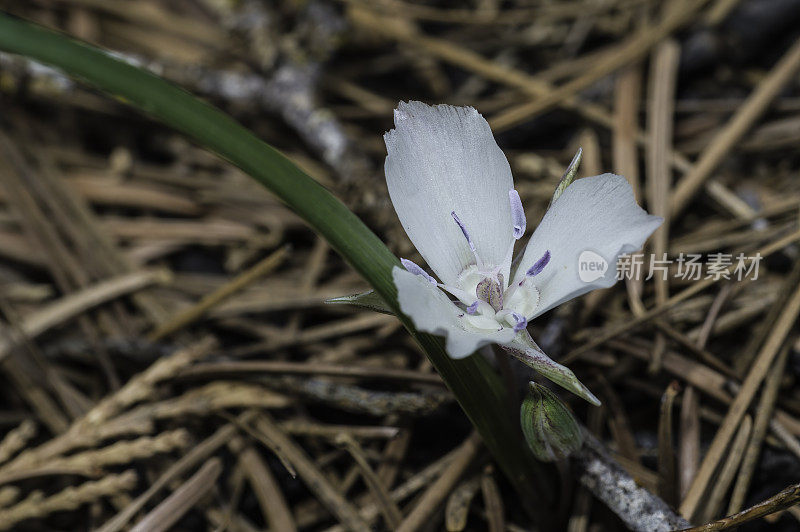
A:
<point x="639" y="509"/>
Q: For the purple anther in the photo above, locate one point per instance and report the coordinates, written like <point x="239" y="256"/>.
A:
<point x="517" y="214"/>
<point x="411" y="267"/>
<point x="463" y="230"/>
<point x="473" y="308"/>
<point x="521" y="321"/>
<point x="539" y="265"/>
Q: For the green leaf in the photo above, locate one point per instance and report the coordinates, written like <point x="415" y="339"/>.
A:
<point x="569" y="176"/>
<point x="367" y="300"/>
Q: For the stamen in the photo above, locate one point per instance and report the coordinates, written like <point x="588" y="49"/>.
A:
<point x="462" y="295"/>
<point x="539" y="265"/>
<point x="517" y="214"/>
<point x="473" y="308"/>
<point x="482" y="306"/>
<point x="521" y="321"/>
<point x="534" y="270"/>
<point x="463" y="228"/>
<point x="411" y="267"/>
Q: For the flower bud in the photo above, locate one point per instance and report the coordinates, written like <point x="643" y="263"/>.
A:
<point x="549" y="427"/>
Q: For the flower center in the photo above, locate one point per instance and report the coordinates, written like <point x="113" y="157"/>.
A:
<point x="488" y="302"/>
<point x="503" y="305"/>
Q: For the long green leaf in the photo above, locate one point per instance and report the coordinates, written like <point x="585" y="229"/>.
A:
<point x="476" y="386"/>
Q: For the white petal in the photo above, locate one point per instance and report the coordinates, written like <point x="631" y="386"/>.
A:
<point x="444" y="159"/>
<point x="596" y="214"/>
<point x="432" y="312"/>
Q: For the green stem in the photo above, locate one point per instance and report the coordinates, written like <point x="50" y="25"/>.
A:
<point x="476" y="387"/>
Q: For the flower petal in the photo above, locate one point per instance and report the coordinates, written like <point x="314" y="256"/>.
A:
<point x="431" y="311"/>
<point x="526" y="351"/>
<point x="443" y="159"/>
<point x="597" y="215"/>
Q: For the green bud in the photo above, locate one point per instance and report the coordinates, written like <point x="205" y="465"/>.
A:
<point x="549" y="427"/>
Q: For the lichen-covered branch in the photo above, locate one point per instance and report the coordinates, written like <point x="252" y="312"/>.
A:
<point x="639" y="509"/>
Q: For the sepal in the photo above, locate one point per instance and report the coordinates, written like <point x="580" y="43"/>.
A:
<point x="569" y="176"/>
<point x="524" y="349"/>
<point x="368" y="300"/>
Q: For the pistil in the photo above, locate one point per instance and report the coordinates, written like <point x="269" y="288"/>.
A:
<point x="491" y="291"/>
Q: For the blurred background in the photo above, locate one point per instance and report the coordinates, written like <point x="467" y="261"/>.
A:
<point x="225" y="395"/>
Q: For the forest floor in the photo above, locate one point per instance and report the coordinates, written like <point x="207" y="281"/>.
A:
<point x="167" y="357"/>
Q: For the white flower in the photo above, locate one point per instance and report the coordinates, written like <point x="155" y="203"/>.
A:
<point x="452" y="189"/>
